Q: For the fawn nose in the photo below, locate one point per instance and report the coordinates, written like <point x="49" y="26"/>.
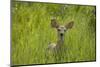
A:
<point x="61" y="34"/>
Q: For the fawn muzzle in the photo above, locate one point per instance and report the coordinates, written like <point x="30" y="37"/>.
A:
<point x="61" y="34"/>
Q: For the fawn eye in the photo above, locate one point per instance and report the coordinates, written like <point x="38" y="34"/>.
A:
<point x="58" y="29"/>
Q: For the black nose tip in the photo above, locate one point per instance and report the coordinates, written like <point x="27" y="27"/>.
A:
<point x="61" y="34"/>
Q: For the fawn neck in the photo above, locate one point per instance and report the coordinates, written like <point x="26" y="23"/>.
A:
<point x="60" y="39"/>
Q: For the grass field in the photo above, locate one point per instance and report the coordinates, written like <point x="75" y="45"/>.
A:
<point x="31" y="33"/>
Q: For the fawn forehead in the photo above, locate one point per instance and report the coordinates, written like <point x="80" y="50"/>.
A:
<point x="62" y="27"/>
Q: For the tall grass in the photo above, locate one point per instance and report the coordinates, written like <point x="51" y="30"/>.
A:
<point x="32" y="32"/>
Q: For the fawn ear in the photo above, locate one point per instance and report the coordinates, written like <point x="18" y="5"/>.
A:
<point x="54" y="23"/>
<point x="69" y="25"/>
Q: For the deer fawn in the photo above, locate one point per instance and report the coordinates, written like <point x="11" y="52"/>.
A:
<point x="61" y="29"/>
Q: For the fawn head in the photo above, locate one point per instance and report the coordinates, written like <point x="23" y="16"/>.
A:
<point x="61" y="28"/>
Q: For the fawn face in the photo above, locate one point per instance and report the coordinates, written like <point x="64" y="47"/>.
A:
<point x="61" y="29"/>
